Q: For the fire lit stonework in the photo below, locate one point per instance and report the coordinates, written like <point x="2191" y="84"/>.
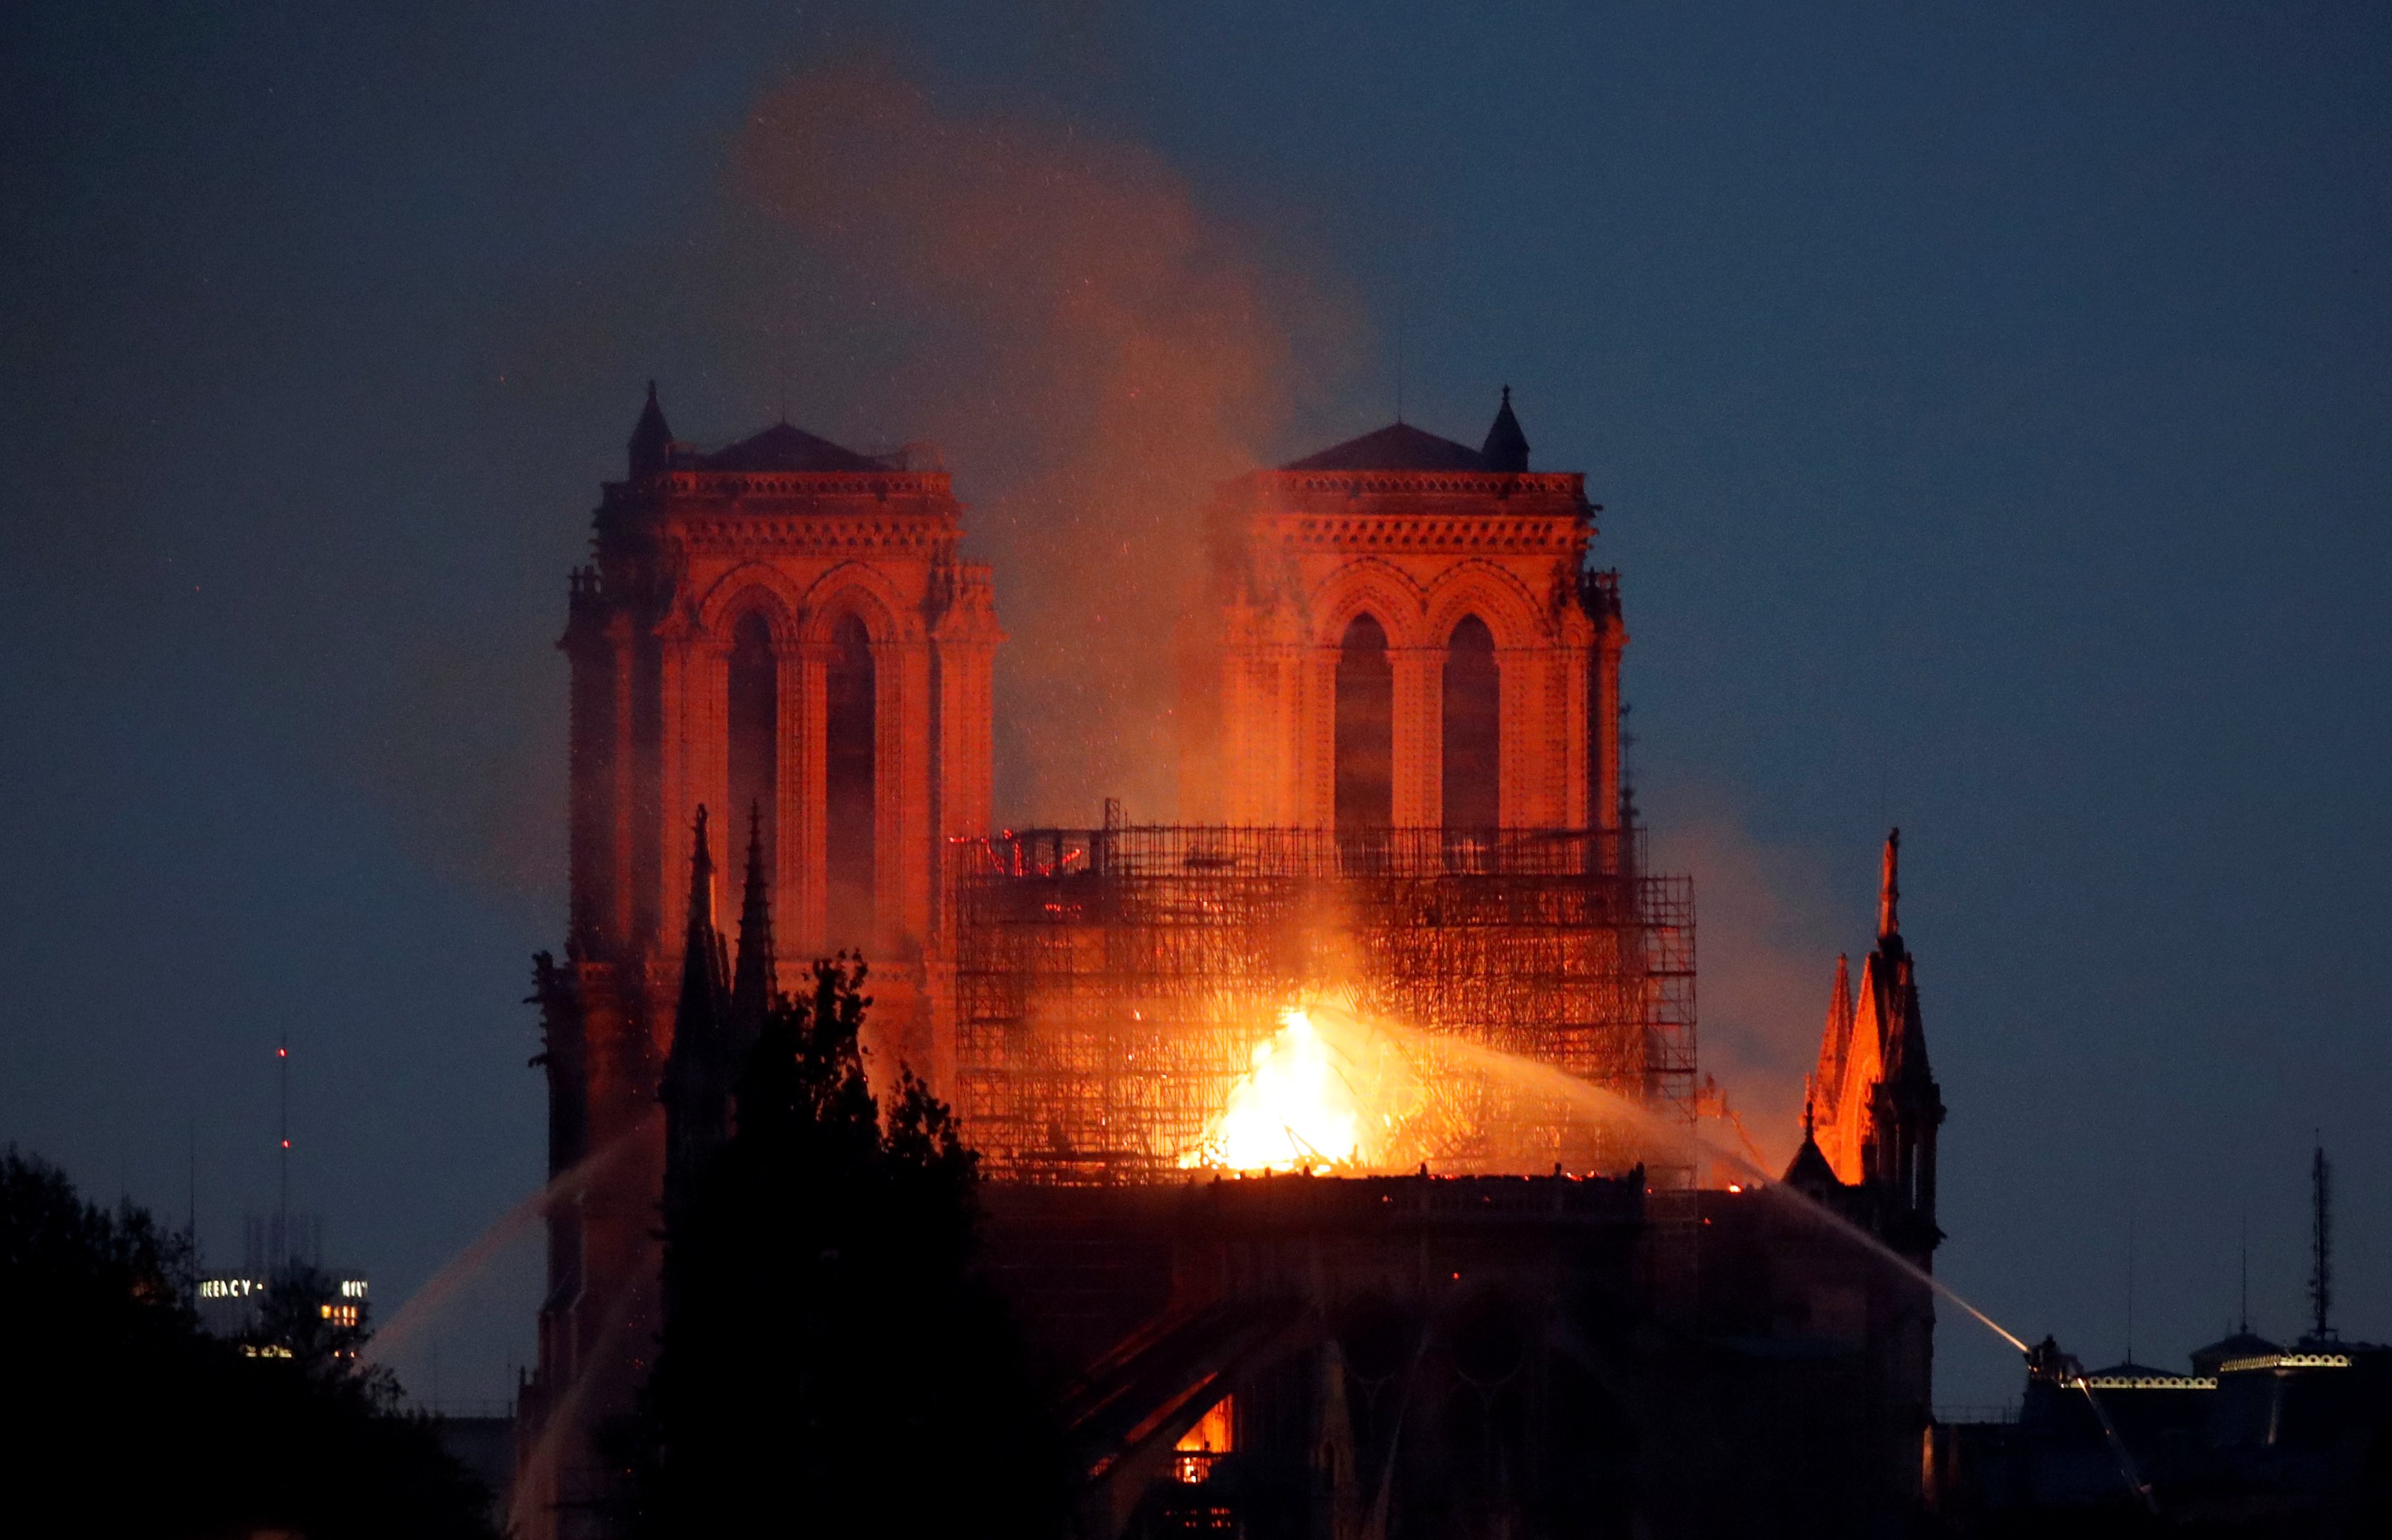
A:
<point x="1404" y="542"/>
<point x="781" y="630"/>
<point x="757" y="568"/>
<point x="1404" y="801"/>
<point x="1873" y="1107"/>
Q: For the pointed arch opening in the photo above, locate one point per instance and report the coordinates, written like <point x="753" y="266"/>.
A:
<point x="851" y="805"/>
<point x="754" y="717"/>
<point x="1365" y="733"/>
<point x="1473" y="758"/>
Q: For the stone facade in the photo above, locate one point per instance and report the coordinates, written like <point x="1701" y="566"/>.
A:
<point x="782" y="632"/>
<point x="1417" y="534"/>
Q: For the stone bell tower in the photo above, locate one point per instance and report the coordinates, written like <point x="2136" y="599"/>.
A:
<point x="780" y="631"/>
<point x="1401" y="633"/>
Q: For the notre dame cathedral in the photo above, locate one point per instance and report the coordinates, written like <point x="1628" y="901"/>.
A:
<point x="1401" y="776"/>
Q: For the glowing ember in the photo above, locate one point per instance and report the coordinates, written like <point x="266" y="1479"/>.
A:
<point x="1297" y="1108"/>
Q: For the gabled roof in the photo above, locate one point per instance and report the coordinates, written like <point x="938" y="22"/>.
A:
<point x="783" y="447"/>
<point x="1397" y="447"/>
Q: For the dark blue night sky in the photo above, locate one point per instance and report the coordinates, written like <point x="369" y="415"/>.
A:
<point x="1992" y="408"/>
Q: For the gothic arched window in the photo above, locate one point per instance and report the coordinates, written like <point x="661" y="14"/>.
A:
<point x="1366" y="717"/>
<point x="1473" y="737"/>
<point x="848" y="774"/>
<point x="755" y="716"/>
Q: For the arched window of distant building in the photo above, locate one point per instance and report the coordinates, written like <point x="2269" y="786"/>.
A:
<point x="1473" y="739"/>
<point x="849" y="804"/>
<point x="754" y="716"/>
<point x="1366" y="714"/>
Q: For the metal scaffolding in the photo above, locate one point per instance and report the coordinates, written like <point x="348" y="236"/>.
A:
<point x="1109" y="985"/>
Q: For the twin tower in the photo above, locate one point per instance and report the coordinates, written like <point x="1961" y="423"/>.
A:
<point x="1401" y="631"/>
<point x="1398" y="631"/>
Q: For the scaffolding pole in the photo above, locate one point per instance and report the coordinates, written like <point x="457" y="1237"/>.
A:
<point x="1111" y="985"/>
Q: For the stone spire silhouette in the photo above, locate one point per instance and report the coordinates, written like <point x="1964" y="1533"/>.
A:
<point x="1506" y="447"/>
<point x="1905" y="1056"/>
<point x="753" y="983"/>
<point x="1906" y="1106"/>
<point x="697" y="1075"/>
<point x="651" y="439"/>
<point x="1835" y="1038"/>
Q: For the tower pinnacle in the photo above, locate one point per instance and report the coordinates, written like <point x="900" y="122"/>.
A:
<point x="651" y="439"/>
<point x="701" y="885"/>
<point x="1889" y="889"/>
<point x="752" y="983"/>
<point x="1506" y="447"/>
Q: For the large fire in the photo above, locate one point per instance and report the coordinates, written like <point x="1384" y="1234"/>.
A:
<point x="1297" y="1108"/>
<point x="1341" y="1092"/>
<point x="1330" y="1090"/>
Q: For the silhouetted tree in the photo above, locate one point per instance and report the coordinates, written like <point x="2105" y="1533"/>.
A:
<point x="122" y="1416"/>
<point x="831" y="1364"/>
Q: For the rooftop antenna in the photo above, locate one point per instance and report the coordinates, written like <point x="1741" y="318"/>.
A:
<point x="2321" y="1242"/>
<point x="2130" y="1288"/>
<point x="191" y="1193"/>
<point x="283" y="1220"/>
<point x="1402" y="323"/>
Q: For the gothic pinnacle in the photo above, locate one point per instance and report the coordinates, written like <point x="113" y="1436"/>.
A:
<point x="1888" y="892"/>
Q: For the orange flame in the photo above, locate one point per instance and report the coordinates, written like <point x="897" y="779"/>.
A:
<point x="1295" y="1109"/>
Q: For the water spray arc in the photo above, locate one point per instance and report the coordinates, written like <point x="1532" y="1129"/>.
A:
<point x="1351" y="1039"/>
<point x="425" y="1305"/>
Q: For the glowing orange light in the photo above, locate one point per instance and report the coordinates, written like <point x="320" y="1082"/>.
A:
<point x="1293" y="1110"/>
<point x="1212" y="1437"/>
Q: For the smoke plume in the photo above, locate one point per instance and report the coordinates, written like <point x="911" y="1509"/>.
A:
<point x="1769" y="929"/>
<point x="1101" y="352"/>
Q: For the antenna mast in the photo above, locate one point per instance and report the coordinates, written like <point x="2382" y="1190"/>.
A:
<point x="2130" y="1288"/>
<point x="282" y="1215"/>
<point x="2321" y="1242"/>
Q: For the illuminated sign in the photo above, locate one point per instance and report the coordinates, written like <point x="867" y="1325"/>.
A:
<point x="230" y="1288"/>
<point x="353" y="1288"/>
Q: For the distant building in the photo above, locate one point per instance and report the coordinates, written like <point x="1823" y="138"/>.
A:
<point x="2270" y="1442"/>
<point x="275" y="1247"/>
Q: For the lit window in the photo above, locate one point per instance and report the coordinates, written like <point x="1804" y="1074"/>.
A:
<point x="1212" y="1437"/>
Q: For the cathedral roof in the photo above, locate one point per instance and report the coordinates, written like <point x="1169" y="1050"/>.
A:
<point x="783" y="447"/>
<point x="1397" y="447"/>
<point x="1401" y="447"/>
